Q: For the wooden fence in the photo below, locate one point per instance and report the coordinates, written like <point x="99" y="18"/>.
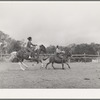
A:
<point x="94" y="58"/>
<point x="4" y="55"/>
<point x="73" y="56"/>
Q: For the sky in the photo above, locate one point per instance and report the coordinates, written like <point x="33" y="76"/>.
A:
<point x="51" y="23"/>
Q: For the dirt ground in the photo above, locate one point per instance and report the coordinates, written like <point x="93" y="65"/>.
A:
<point x="81" y="75"/>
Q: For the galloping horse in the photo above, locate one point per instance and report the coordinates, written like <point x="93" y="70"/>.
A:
<point x="24" y="54"/>
<point x="54" y="59"/>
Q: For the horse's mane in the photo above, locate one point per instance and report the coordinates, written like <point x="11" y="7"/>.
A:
<point x="43" y="48"/>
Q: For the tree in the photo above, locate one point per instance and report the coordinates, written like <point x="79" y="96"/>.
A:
<point x="14" y="46"/>
<point x="84" y="48"/>
<point x="51" y="49"/>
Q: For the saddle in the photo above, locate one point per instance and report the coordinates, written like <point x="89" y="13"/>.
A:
<point x="58" y="56"/>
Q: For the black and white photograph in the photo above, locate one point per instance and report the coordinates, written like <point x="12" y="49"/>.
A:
<point x="49" y="45"/>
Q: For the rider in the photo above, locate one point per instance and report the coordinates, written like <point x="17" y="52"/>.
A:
<point x="58" y="52"/>
<point x="30" y="46"/>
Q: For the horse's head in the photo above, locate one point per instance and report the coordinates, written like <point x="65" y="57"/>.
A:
<point x="66" y="55"/>
<point x="43" y="48"/>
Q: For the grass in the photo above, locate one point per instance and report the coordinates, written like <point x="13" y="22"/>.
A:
<point x="81" y="75"/>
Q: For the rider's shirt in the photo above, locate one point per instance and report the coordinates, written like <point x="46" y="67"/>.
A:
<point x="58" y="53"/>
<point x="58" y="50"/>
<point x="29" y="44"/>
<point x="30" y="47"/>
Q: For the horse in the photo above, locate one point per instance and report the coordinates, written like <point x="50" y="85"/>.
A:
<point x="23" y="54"/>
<point x="54" y="59"/>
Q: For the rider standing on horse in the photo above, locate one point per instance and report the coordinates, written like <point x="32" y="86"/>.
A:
<point x="30" y="46"/>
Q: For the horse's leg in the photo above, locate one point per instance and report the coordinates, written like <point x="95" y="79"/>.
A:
<point x="34" y="64"/>
<point x="20" y="64"/>
<point x="53" y="66"/>
<point x="63" y="66"/>
<point x="67" y="65"/>
<point x="25" y="65"/>
<point x="41" y="63"/>
<point x="38" y="52"/>
<point x="36" y="60"/>
<point x="47" y="64"/>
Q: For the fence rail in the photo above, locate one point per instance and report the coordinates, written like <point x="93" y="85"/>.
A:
<point x="86" y="55"/>
<point x="4" y="55"/>
<point x="73" y="56"/>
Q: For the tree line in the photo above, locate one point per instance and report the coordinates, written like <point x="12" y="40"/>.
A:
<point x="15" y="45"/>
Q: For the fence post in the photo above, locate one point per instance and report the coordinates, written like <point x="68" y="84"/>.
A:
<point x="98" y="56"/>
<point x="1" y="55"/>
<point x="85" y="57"/>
